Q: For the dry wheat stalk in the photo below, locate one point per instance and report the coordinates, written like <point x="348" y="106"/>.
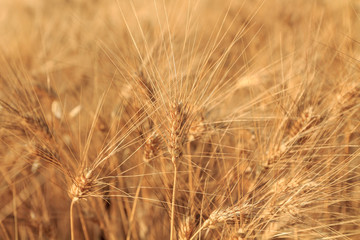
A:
<point x="175" y="147"/>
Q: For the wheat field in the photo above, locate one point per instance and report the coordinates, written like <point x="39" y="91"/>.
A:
<point x="187" y="120"/>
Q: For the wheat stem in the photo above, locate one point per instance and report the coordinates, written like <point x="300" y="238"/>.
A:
<point x="190" y="170"/>
<point x="173" y="202"/>
<point x="83" y="225"/>
<point x="72" y="218"/>
<point x="15" y="213"/>
<point x="131" y="221"/>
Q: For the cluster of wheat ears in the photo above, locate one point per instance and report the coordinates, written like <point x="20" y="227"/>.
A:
<point x="194" y="119"/>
